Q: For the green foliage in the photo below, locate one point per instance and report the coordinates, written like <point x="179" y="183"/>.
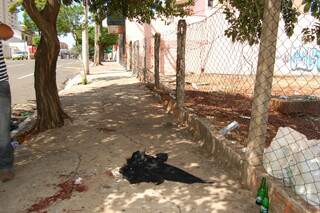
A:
<point x="106" y="39"/>
<point x="245" y="19"/>
<point x="99" y="10"/>
<point x="312" y="33"/>
<point x="36" y="40"/>
<point x="84" y="80"/>
<point x="29" y="25"/>
<point x="69" y="20"/>
<point x="289" y="15"/>
<point x="146" y="10"/>
<point x="16" y="6"/>
<point x="75" y="50"/>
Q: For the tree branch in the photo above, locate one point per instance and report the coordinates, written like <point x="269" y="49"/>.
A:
<point x="54" y="7"/>
<point x="35" y="14"/>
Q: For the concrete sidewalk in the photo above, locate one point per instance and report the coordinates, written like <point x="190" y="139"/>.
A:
<point x="114" y="116"/>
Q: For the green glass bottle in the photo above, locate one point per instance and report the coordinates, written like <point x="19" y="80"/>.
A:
<point x="261" y="191"/>
<point x="265" y="203"/>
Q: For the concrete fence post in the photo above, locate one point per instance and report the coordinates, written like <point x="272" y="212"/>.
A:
<point x="131" y="56"/>
<point x="134" y="57"/>
<point x="263" y="84"/>
<point x="180" y="69"/>
<point x="157" y="40"/>
<point x="138" y="57"/>
<point x="145" y="61"/>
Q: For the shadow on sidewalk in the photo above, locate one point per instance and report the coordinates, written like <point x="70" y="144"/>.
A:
<point x="111" y="122"/>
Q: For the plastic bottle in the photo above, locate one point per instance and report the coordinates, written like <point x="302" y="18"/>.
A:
<point x="15" y="144"/>
<point x="229" y="128"/>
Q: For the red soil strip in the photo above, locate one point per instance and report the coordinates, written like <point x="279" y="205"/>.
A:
<point x="223" y="108"/>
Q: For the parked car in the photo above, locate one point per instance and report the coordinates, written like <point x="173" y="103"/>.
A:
<point x="64" y="54"/>
<point x="20" y="55"/>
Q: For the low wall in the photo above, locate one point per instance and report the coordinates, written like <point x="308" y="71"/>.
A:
<point x="232" y="155"/>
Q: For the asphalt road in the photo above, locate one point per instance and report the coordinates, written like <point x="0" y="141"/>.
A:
<point x="22" y="78"/>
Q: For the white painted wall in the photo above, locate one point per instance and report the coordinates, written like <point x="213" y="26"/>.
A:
<point x="209" y="49"/>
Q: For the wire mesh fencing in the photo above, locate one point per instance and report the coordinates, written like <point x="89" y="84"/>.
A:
<point x="270" y="90"/>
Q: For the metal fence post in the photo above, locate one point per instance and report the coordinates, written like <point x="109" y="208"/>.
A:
<point x="157" y="40"/>
<point x="180" y="69"/>
<point x="263" y="83"/>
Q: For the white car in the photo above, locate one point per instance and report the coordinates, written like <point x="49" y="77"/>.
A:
<point x="19" y="55"/>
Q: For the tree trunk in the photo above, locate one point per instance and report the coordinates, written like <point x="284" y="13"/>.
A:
<point x="49" y="111"/>
<point x="101" y="47"/>
<point x="97" y="43"/>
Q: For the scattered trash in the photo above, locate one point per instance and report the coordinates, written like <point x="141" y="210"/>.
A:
<point x="245" y="117"/>
<point x="172" y="95"/>
<point x="78" y="181"/>
<point x="283" y="97"/>
<point x="109" y="173"/>
<point x="117" y="175"/>
<point x="229" y="128"/>
<point x="261" y="193"/>
<point x="295" y="160"/>
<point x="146" y="168"/>
<point x="194" y="86"/>
<point x="13" y="125"/>
<point x="26" y="114"/>
<point x="169" y="124"/>
<point x="106" y="129"/>
<point x="15" y="144"/>
<point x="311" y="98"/>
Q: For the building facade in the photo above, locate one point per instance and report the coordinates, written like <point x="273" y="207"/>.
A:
<point x="10" y="19"/>
<point x="6" y="17"/>
<point x="144" y="34"/>
<point x="215" y="52"/>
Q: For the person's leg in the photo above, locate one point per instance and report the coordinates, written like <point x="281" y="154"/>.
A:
<point x="6" y="150"/>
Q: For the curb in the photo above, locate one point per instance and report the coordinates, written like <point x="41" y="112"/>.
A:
<point x="71" y="82"/>
<point x="22" y="126"/>
<point x="232" y="155"/>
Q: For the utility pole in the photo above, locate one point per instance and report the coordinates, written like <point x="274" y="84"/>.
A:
<point x="85" y="46"/>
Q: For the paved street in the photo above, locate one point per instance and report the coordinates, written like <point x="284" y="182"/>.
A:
<point x="22" y="78"/>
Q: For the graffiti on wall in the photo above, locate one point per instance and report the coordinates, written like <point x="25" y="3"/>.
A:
<point x="305" y="59"/>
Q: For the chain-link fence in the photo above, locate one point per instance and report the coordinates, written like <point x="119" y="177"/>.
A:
<point x="270" y="90"/>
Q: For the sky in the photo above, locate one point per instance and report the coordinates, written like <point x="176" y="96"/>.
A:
<point x="66" y="39"/>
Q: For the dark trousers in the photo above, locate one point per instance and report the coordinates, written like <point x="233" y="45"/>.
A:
<point x="6" y="150"/>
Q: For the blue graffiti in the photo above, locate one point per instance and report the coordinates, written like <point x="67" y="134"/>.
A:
<point x="305" y="59"/>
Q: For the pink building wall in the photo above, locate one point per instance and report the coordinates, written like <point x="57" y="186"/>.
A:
<point x="139" y="32"/>
<point x="200" y="7"/>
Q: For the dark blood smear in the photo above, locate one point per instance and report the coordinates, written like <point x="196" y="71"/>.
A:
<point x="65" y="192"/>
